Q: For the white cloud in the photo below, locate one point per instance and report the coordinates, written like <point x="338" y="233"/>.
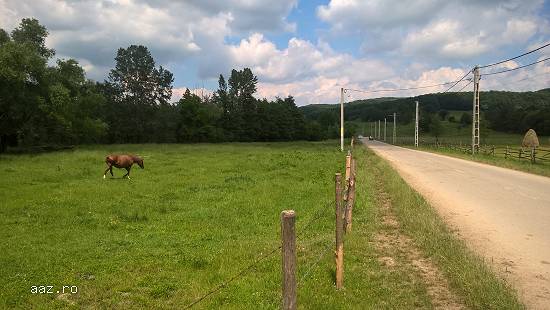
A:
<point x="447" y="30"/>
<point x="94" y="30"/>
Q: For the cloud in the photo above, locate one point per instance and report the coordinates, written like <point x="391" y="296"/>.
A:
<point x="353" y="15"/>
<point x="447" y="30"/>
<point x="409" y="44"/>
<point x="94" y="30"/>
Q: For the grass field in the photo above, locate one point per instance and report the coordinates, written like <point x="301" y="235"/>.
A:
<point x="193" y="218"/>
<point x="540" y="167"/>
<point x="452" y="133"/>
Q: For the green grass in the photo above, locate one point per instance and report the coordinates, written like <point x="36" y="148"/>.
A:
<point x="194" y="217"/>
<point x="540" y="168"/>
<point x="453" y="133"/>
<point x="479" y="287"/>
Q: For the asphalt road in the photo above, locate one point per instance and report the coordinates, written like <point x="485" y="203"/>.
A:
<point x="502" y="214"/>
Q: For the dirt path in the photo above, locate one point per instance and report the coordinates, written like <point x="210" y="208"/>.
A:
<point x="396" y="248"/>
<point x="503" y="214"/>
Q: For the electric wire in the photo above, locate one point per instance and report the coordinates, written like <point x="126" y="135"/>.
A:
<point x="458" y="81"/>
<point x="503" y="61"/>
<point x="396" y="89"/>
<point x="520" y="67"/>
<point x="470" y="82"/>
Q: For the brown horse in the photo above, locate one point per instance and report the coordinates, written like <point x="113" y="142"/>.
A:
<point x="122" y="161"/>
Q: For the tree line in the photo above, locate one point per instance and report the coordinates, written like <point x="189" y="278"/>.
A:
<point x="43" y="104"/>
<point x="511" y="112"/>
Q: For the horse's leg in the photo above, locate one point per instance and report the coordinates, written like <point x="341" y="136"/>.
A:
<point x="128" y="173"/>
<point x="108" y="168"/>
<point x="111" y="170"/>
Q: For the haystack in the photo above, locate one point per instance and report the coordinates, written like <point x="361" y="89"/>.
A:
<point x="530" y="139"/>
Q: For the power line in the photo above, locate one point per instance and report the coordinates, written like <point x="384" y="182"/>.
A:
<point x="458" y="81"/>
<point x="470" y="82"/>
<point x="508" y="70"/>
<point x="396" y="89"/>
<point x="503" y="61"/>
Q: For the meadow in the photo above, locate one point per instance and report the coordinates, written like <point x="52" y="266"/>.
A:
<point x="193" y="218"/>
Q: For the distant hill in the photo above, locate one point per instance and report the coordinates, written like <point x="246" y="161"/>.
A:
<point x="513" y="112"/>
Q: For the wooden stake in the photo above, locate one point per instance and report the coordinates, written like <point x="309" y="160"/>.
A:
<point x="288" y="236"/>
<point x="348" y="166"/>
<point x="339" y="253"/>
<point x="351" y="198"/>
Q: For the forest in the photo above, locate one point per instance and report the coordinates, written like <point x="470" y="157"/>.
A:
<point x="510" y="112"/>
<point x="45" y="104"/>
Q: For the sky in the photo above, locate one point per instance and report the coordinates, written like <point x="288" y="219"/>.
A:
<point x="307" y="49"/>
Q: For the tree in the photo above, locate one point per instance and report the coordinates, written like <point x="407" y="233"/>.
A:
<point x="23" y="83"/>
<point x="197" y="121"/>
<point x="465" y="119"/>
<point x="435" y="127"/>
<point x="243" y="105"/>
<point x="135" y="89"/>
<point x="443" y="114"/>
<point x="33" y="35"/>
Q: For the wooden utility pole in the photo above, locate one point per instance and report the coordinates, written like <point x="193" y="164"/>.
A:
<point x="288" y="236"/>
<point x="416" y="126"/>
<point x="342" y="119"/>
<point x="339" y="253"/>
<point x="394" y="133"/>
<point x="475" y="113"/>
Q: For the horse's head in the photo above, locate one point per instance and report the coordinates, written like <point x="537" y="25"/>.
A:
<point x="139" y="161"/>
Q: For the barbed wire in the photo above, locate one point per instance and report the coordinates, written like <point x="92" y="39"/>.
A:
<point x="324" y="251"/>
<point x="317" y="215"/>
<point x="235" y="277"/>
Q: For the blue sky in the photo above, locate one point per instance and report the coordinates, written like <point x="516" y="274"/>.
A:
<point x="308" y="49"/>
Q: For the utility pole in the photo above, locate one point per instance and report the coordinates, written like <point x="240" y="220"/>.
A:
<point x="394" y="131"/>
<point x="475" y="113"/>
<point x="342" y="119"/>
<point x="416" y="126"/>
<point x="384" y="129"/>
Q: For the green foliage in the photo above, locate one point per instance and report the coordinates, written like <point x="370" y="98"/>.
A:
<point x="197" y="120"/>
<point x="511" y="112"/>
<point x="40" y="104"/>
<point x="33" y="35"/>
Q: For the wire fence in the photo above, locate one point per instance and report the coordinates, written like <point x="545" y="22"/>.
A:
<point x="530" y="154"/>
<point x="346" y="193"/>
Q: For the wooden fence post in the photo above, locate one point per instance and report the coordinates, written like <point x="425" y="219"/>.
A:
<point x="347" y="177"/>
<point x="506" y="153"/>
<point x="288" y="249"/>
<point x="520" y="153"/>
<point x="351" y="198"/>
<point x="533" y="154"/>
<point x="339" y="254"/>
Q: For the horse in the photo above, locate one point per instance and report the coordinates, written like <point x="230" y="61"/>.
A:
<point x="122" y="161"/>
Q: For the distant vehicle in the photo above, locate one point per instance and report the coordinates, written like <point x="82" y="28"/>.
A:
<point x="371" y="138"/>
